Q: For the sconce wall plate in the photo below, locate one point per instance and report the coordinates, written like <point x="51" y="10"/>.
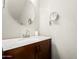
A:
<point x="54" y="16"/>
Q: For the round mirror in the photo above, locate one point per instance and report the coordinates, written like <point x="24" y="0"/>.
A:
<point x="23" y="11"/>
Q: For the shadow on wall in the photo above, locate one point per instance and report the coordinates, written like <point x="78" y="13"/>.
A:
<point x="55" y="53"/>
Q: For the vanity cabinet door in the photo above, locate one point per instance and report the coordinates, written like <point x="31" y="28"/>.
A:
<point x="26" y="52"/>
<point x="43" y="50"/>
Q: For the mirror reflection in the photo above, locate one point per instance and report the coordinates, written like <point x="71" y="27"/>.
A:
<point x="23" y="11"/>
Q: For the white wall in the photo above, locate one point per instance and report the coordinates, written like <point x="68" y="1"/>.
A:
<point x="12" y="29"/>
<point x="63" y="32"/>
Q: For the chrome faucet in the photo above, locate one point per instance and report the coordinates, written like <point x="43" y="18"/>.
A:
<point x="27" y="34"/>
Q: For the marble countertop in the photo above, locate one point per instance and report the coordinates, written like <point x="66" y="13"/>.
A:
<point x="8" y="44"/>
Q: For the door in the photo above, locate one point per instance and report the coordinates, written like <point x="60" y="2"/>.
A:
<point x="43" y="50"/>
<point x="26" y="52"/>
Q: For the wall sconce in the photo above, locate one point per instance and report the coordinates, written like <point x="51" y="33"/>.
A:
<point x="54" y="16"/>
<point x="30" y="21"/>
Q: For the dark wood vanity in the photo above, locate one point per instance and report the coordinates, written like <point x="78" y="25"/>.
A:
<point x="38" y="50"/>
